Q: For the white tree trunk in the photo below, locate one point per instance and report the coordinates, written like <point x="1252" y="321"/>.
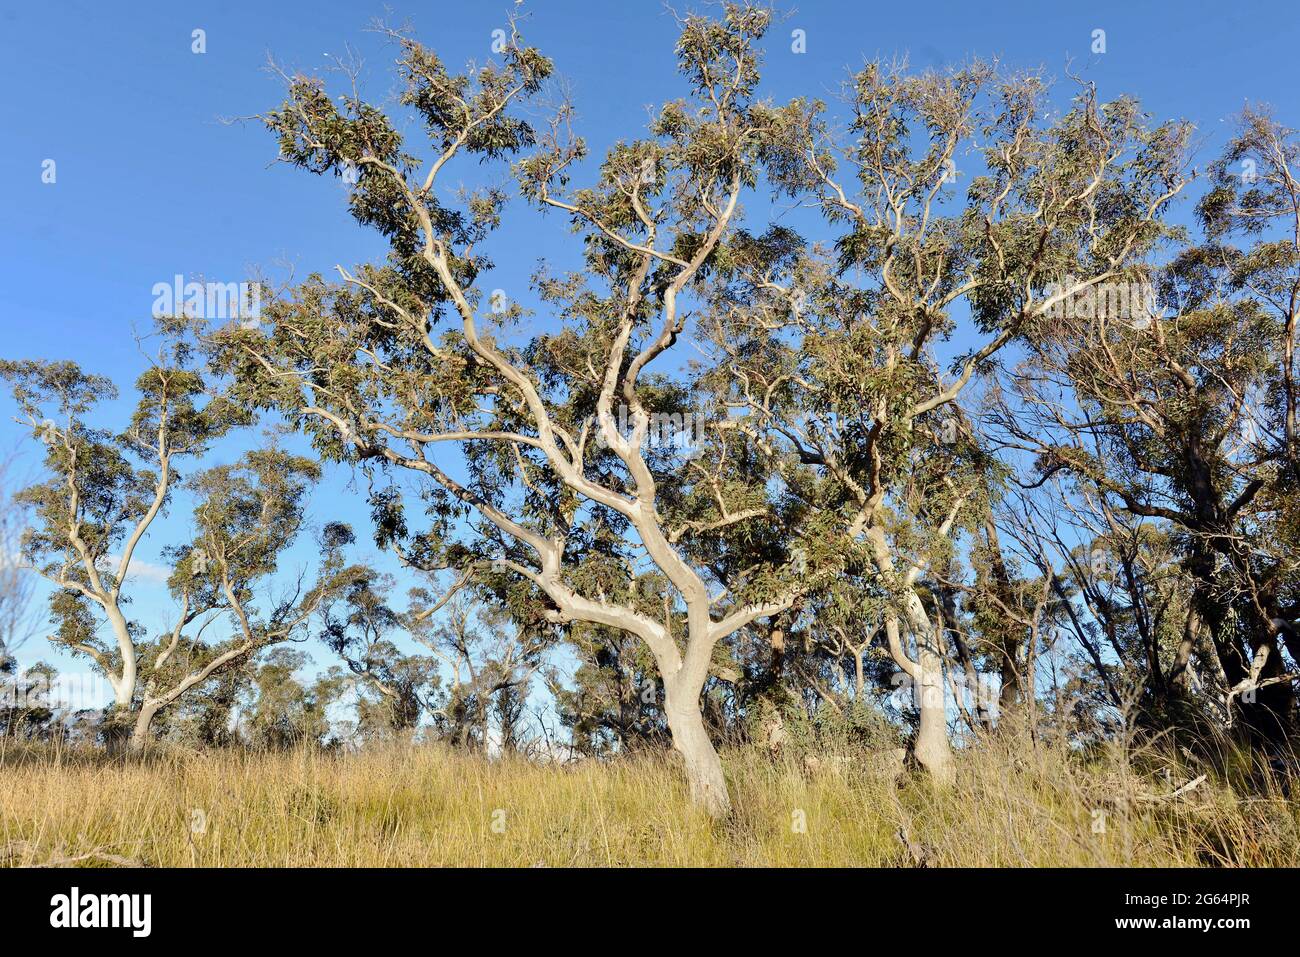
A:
<point x="932" y="749"/>
<point x="117" y="718"/>
<point x="691" y="740"/>
<point x="140" y="733"/>
<point x="124" y="684"/>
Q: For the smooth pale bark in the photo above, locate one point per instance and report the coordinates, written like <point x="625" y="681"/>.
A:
<point x="708" y="785"/>
<point x="683" y="670"/>
<point x="116" y="729"/>
<point x="932" y="750"/>
<point x="153" y="703"/>
<point x="140" y="732"/>
<point x="931" y="747"/>
<point x="123" y="684"/>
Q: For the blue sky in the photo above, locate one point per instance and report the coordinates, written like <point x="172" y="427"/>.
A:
<point x="150" y="181"/>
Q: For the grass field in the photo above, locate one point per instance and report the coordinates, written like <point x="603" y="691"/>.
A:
<point x="427" y="806"/>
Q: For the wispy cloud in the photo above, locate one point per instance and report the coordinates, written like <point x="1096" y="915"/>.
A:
<point x="147" y="571"/>
<point x="141" y="569"/>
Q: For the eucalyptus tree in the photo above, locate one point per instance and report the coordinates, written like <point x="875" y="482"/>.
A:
<point x="489" y="665"/>
<point x="280" y="711"/>
<point x="245" y="515"/>
<point x="359" y="624"/>
<point x="1255" y="201"/>
<point x="1183" y="419"/>
<point x="611" y="701"/>
<point x="560" y="499"/>
<point x="16" y="583"/>
<point x="28" y="712"/>
<point x="94" y="508"/>
<point x="832" y="358"/>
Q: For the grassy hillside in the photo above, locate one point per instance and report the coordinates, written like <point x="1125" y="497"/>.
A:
<point x="424" y="805"/>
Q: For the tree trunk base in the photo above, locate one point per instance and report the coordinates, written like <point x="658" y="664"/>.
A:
<point x="932" y="750"/>
<point x="708" y="784"/>
<point x="937" y="765"/>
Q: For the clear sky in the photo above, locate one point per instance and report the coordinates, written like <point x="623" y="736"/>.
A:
<point x="150" y="182"/>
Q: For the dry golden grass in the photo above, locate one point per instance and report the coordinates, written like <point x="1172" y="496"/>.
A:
<point x="427" y="806"/>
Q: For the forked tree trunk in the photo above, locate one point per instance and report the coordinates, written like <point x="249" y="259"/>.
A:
<point x="691" y="740"/>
